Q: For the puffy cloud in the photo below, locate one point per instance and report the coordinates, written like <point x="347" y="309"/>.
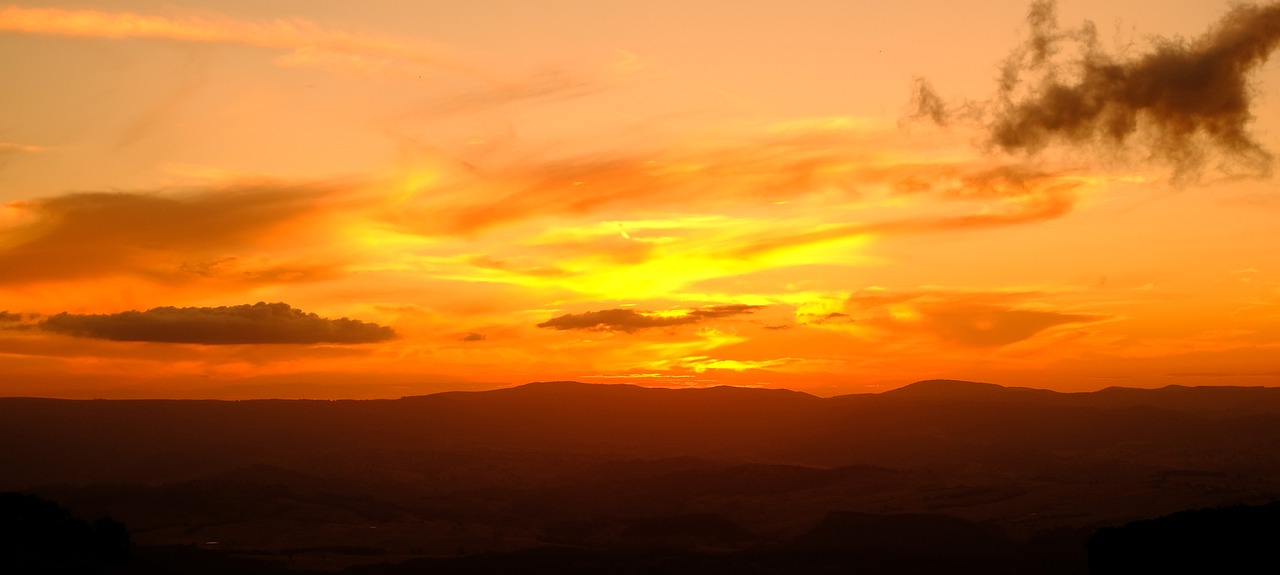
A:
<point x="226" y="325"/>
<point x="1182" y="99"/>
<point x="629" y="321"/>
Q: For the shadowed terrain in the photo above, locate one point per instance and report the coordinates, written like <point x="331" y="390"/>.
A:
<point x="938" y="475"/>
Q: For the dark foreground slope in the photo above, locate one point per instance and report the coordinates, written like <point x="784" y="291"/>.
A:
<point x="621" y="470"/>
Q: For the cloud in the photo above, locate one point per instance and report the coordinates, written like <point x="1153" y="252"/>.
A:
<point x="9" y="150"/>
<point x="991" y="326"/>
<point x="778" y="171"/>
<point x="779" y="165"/>
<point x="166" y="236"/>
<point x="488" y="262"/>
<point x="1182" y="99"/>
<point x="473" y="336"/>
<point x="1012" y="194"/>
<point x="629" y="321"/>
<point x="311" y="44"/>
<point x="968" y="319"/>
<point x="227" y="325"/>
<point x="12" y="148"/>
<point x="545" y="85"/>
<point x="9" y="320"/>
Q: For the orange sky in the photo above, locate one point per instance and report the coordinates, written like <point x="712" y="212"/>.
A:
<point x="828" y="196"/>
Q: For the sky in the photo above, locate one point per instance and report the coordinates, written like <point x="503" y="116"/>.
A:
<point x="244" y="199"/>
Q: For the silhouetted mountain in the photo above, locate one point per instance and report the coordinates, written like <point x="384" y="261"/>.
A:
<point x="921" y="425"/>
<point x="1238" y="539"/>
<point x="39" y="536"/>
<point x="905" y="534"/>
<point x="332" y="484"/>
<point x="951" y="389"/>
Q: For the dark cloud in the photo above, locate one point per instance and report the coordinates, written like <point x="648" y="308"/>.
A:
<point x="628" y="320"/>
<point x="473" y="336"/>
<point x="16" y="320"/>
<point x="92" y="234"/>
<point x="928" y="104"/>
<point x="227" y="325"/>
<point x="1183" y="100"/>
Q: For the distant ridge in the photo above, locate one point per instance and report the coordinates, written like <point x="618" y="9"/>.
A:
<point x="565" y="388"/>
<point x="960" y="389"/>
<point x="927" y="423"/>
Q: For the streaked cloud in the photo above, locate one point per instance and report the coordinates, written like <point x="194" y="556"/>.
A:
<point x="310" y="43"/>
<point x="13" y="148"/>
<point x="630" y="321"/>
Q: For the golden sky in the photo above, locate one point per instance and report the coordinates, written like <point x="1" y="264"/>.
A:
<point x="375" y="199"/>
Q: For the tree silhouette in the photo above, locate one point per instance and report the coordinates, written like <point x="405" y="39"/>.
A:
<point x="39" y="536"/>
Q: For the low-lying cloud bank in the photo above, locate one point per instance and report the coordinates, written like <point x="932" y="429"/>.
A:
<point x="226" y="325"/>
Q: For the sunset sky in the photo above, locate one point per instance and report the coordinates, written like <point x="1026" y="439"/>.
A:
<point x="828" y="196"/>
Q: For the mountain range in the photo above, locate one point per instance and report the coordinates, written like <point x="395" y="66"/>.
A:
<point x="337" y="484"/>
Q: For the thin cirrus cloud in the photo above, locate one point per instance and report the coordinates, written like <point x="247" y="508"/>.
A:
<point x="833" y="166"/>
<point x="309" y="43"/>
<point x="1020" y="195"/>
<point x="1182" y="100"/>
<point x="260" y="323"/>
<point x="630" y="321"/>
<point x="13" y="148"/>
<point x="777" y="166"/>
<point x="9" y="150"/>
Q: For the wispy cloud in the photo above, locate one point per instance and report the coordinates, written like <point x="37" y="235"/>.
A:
<point x="12" y="148"/>
<point x="837" y="169"/>
<point x="629" y="320"/>
<point x="309" y="43"/>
